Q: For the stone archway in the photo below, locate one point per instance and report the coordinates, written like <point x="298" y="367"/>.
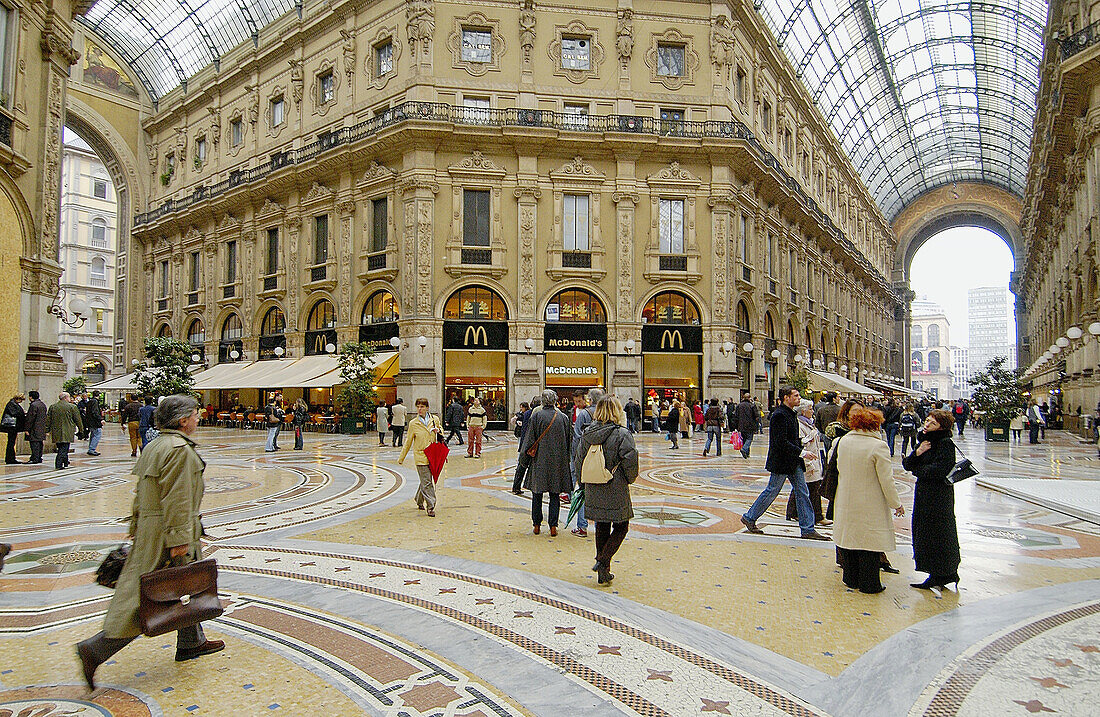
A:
<point x="949" y="207"/>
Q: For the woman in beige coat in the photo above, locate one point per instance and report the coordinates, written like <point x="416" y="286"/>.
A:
<point x="865" y="494"/>
<point x="423" y="430"/>
<point x="165" y="527"/>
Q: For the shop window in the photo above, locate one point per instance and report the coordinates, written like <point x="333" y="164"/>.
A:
<point x="379" y="224"/>
<point x="232" y="328"/>
<point x="196" y="333"/>
<point x="272" y="250"/>
<point x="321" y="316"/>
<point x="93" y="371"/>
<point x="475" y="217"/>
<point x="236" y="132"/>
<point x="383" y="58"/>
<point x="670" y="59"/>
<point x="320" y="239"/>
<point x="576" y="53"/>
<point x="477" y="45"/>
<point x="278" y="111"/>
<point x="575" y="222"/>
<point x="99" y="234"/>
<point x="381" y="307"/>
<point x="274" y="322"/>
<point x="475" y="303"/>
<point x="670" y="307"/>
<point x="326" y="87"/>
<point x="99" y="187"/>
<point x="671" y="226"/>
<point x="576" y="305"/>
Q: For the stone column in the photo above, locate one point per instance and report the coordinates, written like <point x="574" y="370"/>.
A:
<point x="721" y="377"/>
<point x="527" y="367"/>
<point x="421" y="372"/>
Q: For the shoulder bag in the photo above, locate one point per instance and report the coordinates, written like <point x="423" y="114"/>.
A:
<point x="534" y="449"/>
<point x="173" y="598"/>
<point x="963" y="469"/>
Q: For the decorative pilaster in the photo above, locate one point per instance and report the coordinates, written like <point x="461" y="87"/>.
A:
<point x="722" y="207"/>
<point x="419" y="198"/>
<point x="528" y="196"/>
<point x="293" y="285"/>
<point x="345" y="209"/>
<point x="625" y="204"/>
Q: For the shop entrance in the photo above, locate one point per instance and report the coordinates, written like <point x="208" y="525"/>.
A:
<point x="672" y="350"/>
<point x="475" y="351"/>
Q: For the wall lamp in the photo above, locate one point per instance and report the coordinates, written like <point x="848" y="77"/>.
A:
<point x="79" y="308"/>
<point x="395" y="342"/>
<point x="529" y="344"/>
<point x="726" y="348"/>
<point x="629" y="345"/>
<point x="747" y="347"/>
<point x="422" y="341"/>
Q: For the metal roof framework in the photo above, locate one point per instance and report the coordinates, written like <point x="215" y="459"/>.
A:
<point x="920" y="93"/>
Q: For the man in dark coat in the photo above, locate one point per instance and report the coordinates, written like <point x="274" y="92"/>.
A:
<point x="961" y="412"/>
<point x="452" y="420"/>
<point x="747" y="421"/>
<point x="521" y="464"/>
<point x="633" y="414"/>
<point x="36" y="426"/>
<point x="93" y="423"/>
<point x="731" y="415"/>
<point x="825" y="411"/>
<point x="785" y="464"/>
<point x="551" y="432"/>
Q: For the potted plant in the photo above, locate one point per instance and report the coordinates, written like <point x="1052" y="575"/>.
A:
<point x="798" y="377"/>
<point x="166" y="368"/>
<point x="357" y="397"/>
<point x="998" y="395"/>
<point x="75" y="386"/>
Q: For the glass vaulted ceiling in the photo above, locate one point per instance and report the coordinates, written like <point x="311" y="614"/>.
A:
<point x="168" y="41"/>
<point x="921" y="93"/>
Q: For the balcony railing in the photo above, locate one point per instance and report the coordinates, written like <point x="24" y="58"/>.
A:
<point x="376" y="261"/>
<point x="271" y="283"/>
<point x="1081" y="40"/>
<point x="477" y="256"/>
<point x="512" y="117"/>
<point x="318" y="273"/>
<point x="672" y="262"/>
<point x="162" y="304"/>
<point x="228" y="292"/>
<point x="576" y="260"/>
<point x="192" y="298"/>
<point x="98" y="281"/>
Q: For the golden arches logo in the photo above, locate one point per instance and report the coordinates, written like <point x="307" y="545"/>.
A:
<point x="475" y="331"/>
<point x="673" y="338"/>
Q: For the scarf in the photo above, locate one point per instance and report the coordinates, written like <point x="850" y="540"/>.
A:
<point x="933" y="437"/>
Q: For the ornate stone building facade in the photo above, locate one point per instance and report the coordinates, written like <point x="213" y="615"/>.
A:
<point x="525" y="194"/>
<point x="1057" y="284"/>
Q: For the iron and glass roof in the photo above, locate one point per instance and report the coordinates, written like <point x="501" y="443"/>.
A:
<point x="167" y="41"/>
<point x="920" y="93"/>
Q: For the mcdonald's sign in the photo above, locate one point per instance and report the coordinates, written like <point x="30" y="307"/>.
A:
<point x="672" y="338"/>
<point x="475" y="335"/>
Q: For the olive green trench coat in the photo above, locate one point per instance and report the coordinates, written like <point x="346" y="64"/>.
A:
<point x="165" y="514"/>
<point x="63" y="422"/>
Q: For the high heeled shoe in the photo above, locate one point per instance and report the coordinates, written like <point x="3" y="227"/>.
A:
<point x="928" y="584"/>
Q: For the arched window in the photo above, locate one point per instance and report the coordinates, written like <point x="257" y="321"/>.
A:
<point x="670" y="307"/>
<point x="918" y="361"/>
<point x="321" y="316"/>
<point x="94" y="371"/>
<point x="98" y="273"/>
<point x="769" y="326"/>
<point x="274" y="322"/>
<point x="933" y="337"/>
<point x="576" y="305"/>
<point x="381" y="307"/>
<point x="232" y="329"/>
<point x="99" y="234"/>
<point x="164" y="332"/>
<point x="743" y="317"/>
<point x="196" y="333"/>
<point x="475" y="303"/>
<point x="917" y="337"/>
<point x="934" y="361"/>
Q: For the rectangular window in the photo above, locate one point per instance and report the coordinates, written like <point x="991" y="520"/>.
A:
<point x="475" y="110"/>
<point x="792" y="262"/>
<point x="231" y="262"/>
<point x="200" y="149"/>
<point x="278" y="111"/>
<point x="475" y="217"/>
<point x="766" y="118"/>
<point x="379" y="225"/>
<point x="196" y="270"/>
<point x="5" y="18"/>
<point x="671" y="226"/>
<point x="743" y="239"/>
<point x="320" y="239"/>
<point x="809" y="278"/>
<point x="742" y="86"/>
<point x="99" y="320"/>
<point x="99" y="235"/>
<point x="670" y="60"/>
<point x="383" y="56"/>
<point x="272" y="250"/>
<point x="576" y="115"/>
<point x="477" y="45"/>
<point x="99" y="187"/>
<point x="575" y="222"/>
<point x="236" y="132"/>
<point x="575" y="53"/>
<point x="164" y="279"/>
<point x="326" y="88"/>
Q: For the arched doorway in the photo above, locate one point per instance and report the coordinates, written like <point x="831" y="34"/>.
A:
<point x="575" y="341"/>
<point x="475" y="350"/>
<point x="196" y="338"/>
<point x="378" y="328"/>
<point x="672" y="348"/>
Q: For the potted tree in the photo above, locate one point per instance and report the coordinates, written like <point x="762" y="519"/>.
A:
<point x="998" y="395"/>
<point x="357" y="398"/>
<point x="166" y="368"/>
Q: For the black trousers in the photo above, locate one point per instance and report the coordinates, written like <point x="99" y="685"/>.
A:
<point x="860" y="569"/>
<point x="398" y="435"/>
<point x="455" y="431"/>
<point x="9" y="456"/>
<point x="1033" y="433"/>
<point x="609" y="538"/>
<point x="62" y="458"/>
<point x="521" y="471"/>
<point x="36" y="451"/>
<point x="536" y="509"/>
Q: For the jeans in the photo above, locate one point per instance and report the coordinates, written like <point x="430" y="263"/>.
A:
<point x="908" y="440"/>
<point x="299" y="443"/>
<point x="582" y="522"/>
<point x="891" y="436"/>
<point x="93" y="439"/>
<point x="272" y="432"/>
<point x="715" y="433"/>
<point x="456" y="432"/>
<point x="143" y="432"/>
<point x="536" y="509"/>
<point x="62" y="458"/>
<point x="1033" y="433"/>
<point x="961" y="423"/>
<point x="747" y="441"/>
<point x="656" y="424"/>
<point x="398" y="435"/>
<point x="802" y="498"/>
<point x="609" y="537"/>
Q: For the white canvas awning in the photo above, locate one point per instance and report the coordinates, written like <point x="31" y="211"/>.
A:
<point x="827" y="381"/>
<point x="118" y="383"/>
<point x="897" y="388"/>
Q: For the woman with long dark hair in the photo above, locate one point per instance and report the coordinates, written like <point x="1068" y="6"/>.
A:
<point x="935" y="536"/>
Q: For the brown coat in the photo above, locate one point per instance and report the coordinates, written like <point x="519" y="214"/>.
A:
<point x="865" y="494"/>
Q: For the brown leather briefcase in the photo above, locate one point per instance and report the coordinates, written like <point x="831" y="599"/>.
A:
<point x="174" y="598"/>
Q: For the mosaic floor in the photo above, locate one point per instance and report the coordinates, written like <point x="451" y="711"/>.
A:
<point x="342" y="598"/>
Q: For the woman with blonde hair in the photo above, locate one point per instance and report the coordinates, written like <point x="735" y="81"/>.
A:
<point x="608" y="504"/>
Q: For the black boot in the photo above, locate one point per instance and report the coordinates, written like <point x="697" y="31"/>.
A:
<point x="603" y="575"/>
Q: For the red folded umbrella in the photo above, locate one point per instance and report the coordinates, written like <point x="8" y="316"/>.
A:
<point x="437" y="456"/>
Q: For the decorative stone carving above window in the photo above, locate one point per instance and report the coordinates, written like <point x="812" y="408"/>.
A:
<point x="476" y="172"/>
<point x="584" y="53"/>
<point x="476" y="22"/>
<point x="577" y="178"/>
<point x="318" y="194"/>
<point x="327" y="68"/>
<point x="658" y="72"/>
<point x="673" y="183"/>
<point x="384" y="36"/>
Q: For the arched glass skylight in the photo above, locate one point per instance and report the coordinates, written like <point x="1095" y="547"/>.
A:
<point x="921" y="93"/>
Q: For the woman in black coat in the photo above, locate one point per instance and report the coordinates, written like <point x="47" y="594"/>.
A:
<point x="672" y="424"/>
<point x="14" y="421"/>
<point x="935" y="537"/>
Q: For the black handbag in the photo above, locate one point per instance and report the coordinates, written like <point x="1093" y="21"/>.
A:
<point x="108" y="571"/>
<point x="963" y="469"/>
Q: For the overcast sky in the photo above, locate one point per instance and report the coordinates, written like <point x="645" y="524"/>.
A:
<point x="955" y="261"/>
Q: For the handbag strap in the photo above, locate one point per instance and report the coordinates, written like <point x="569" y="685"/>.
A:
<point x="536" y="443"/>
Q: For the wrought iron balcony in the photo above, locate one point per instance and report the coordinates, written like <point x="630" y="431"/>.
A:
<point x="318" y="273"/>
<point x="576" y="260"/>
<point x="376" y="261"/>
<point x="477" y="256"/>
<point x="1081" y="40"/>
<point x="672" y="262"/>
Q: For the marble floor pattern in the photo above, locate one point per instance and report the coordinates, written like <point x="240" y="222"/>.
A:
<point x="342" y="598"/>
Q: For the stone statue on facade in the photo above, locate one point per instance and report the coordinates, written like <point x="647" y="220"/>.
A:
<point x="349" y="53"/>
<point x="527" y="29"/>
<point x="296" y="81"/>
<point x="215" y="125"/>
<point x="721" y="42"/>
<point x="624" y="41"/>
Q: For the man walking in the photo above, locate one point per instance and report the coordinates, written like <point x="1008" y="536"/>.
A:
<point x="63" y="423"/>
<point x="891" y="415"/>
<point x="549" y="433"/>
<point x="747" y="419"/>
<point x="397" y="422"/>
<point x="521" y="463"/>
<point x="731" y="415"/>
<point x="146" y="420"/>
<point x="633" y="414"/>
<point x="713" y="420"/>
<point x="785" y="463"/>
<point x="655" y="415"/>
<point x="454" y="417"/>
<point x="961" y="413"/>
<point x="93" y="423"/>
<point x="36" y="426"/>
<point x="130" y="421"/>
<point x="825" y="412"/>
<point x="1035" y="421"/>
